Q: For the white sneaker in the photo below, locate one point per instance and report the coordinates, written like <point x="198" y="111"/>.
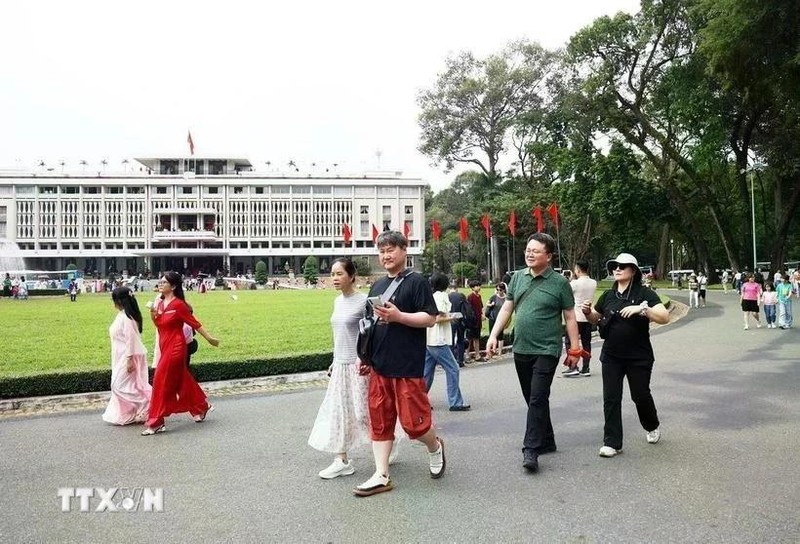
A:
<point x="378" y="483"/>
<point x="608" y="451"/>
<point x="746" y="327"/>
<point x="337" y="468"/>
<point x="654" y="436"/>
<point x="437" y="461"/>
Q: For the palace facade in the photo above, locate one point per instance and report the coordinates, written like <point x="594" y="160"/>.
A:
<point x="203" y="215"/>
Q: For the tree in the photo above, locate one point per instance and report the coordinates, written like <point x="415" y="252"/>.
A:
<point x="468" y="114"/>
<point x="464" y="271"/>
<point x="311" y="269"/>
<point x="261" y="272"/>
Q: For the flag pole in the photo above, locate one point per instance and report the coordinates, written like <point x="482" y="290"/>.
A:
<point x="558" y="243"/>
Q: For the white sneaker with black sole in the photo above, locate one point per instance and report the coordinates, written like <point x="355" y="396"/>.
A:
<point x="336" y="469"/>
<point x="608" y="451"/>
<point x="572" y="373"/>
<point x="654" y="436"/>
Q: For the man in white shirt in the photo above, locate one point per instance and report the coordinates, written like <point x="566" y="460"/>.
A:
<point x="583" y="288"/>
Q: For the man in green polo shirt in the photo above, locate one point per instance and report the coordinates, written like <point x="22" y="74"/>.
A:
<point x="541" y="298"/>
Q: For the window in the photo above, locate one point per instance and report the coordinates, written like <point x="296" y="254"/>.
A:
<point x="91" y="190"/>
<point x="213" y="190"/>
<point x="280" y="190"/>
<point x="135" y="190"/>
<point x="322" y="189"/>
<point x="387" y="191"/>
<point x="259" y="190"/>
<point x="238" y="190"/>
<point x="161" y="190"/>
<point x="187" y="190"/>
<point x="71" y="190"/>
<point x="342" y="191"/>
<point x="364" y="210"/>
<point x="364" y="230"/>
<point x="114" y="190"/>
<point x="301" y="189"/>
<point x="48" y="190"/>
<point x="25" y="189"/>
<point x="168" y="168"/>
<point x="409" y="211"/>
<point x="387" y="218"/>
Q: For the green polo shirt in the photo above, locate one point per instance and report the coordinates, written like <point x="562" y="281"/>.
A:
<point x="538" y="328"/>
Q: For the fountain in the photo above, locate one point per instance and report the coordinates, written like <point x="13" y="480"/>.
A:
<point x="11" y="260"/>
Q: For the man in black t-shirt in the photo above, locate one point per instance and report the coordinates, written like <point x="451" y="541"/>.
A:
<point x="396" y="385"/>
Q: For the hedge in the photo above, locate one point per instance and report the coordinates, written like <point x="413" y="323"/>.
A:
<point x="64" y="383"/>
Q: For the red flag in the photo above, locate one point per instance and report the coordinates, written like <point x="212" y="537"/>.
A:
<point x="512" y="223"/>
<point x="436" y="229"/>
<point x="346" y="233"/>
<point x="552" y="209"/>
<point x="191" y="143"/>
<point x="487" y="227"/>
<point x="406" y="229"/>
<point x="463" y="229"/>
<point x="537" y="213"/>
<point x="374" y="234"/>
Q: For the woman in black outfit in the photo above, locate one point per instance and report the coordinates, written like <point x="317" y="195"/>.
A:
<point x="624" y="313"/>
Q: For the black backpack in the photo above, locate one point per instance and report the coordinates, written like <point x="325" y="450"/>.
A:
<point x="470" y="320"/>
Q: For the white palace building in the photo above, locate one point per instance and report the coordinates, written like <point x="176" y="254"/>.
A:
<point x="204" y="215"/>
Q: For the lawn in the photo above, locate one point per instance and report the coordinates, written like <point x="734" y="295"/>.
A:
<point x="51" y="334"/>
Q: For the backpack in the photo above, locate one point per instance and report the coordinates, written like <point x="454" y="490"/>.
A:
<point x="470" y="320"/>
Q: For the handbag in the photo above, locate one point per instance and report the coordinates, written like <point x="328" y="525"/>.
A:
<point x="366" y="325"/>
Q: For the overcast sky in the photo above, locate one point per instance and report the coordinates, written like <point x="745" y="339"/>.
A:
<point x="315" y="81"/>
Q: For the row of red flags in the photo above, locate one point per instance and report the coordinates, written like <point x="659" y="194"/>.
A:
<point x="463" y="225"/>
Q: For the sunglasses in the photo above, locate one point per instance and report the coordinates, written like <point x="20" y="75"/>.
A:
<point x="621" y="266"/>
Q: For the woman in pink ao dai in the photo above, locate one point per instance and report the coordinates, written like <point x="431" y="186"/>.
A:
<point x="130" y="391"/>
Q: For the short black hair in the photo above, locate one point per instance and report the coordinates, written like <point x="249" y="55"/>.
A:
<point x="439" y="281"/>
<point x="583" y="266"/>
<point x="474" y="283"/>
<point x="544" y="239"/>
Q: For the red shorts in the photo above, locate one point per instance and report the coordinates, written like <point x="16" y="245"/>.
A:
<point x="391" y="399"/>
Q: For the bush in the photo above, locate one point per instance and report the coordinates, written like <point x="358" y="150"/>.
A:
<point x="311" y="269"/>
<point x="464" y="270"/>
<point x="261" y="273"/>
<point x="46" y="292"/>
<point x="363" y="266"/>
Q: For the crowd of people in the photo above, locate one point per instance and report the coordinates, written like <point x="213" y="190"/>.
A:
<point x="379" y="394"/>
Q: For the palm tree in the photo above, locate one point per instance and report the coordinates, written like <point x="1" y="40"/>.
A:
<point x="125" y="165"/>
<point x="62" y="163"/>
<point x="83" y="163"/>
<point x="104" y="163"/>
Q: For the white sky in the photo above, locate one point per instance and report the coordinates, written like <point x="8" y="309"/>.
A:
<point x="315" y="81"/>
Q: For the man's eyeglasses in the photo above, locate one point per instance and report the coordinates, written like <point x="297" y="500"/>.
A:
<point x="535" y="251"/>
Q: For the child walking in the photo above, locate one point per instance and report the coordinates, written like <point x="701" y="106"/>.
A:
<point x="770" y="304"/>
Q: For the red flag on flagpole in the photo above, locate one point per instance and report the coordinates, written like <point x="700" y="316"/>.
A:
<point x="463" y="230"/>
<point x="512" y="223"/>
<point x="374" y="234"/>
<point x="537" y="213"/>
<point x="436" y="229"/>
<point x="406" y="229"/>
<point x="487" y="226"/>
<point x="552" y="209"/>
<point x="191" y="143"/>
<point x="346" y="233"/>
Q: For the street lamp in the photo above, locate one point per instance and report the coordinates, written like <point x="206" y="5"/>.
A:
<point x="755" y="167"/>
<point x="672" y="259"/>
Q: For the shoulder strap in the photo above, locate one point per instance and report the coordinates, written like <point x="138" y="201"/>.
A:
<point x="531" y="287"/>
<point x="387" y="295"/>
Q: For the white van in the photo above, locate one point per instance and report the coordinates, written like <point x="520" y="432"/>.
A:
<point x="675" y="274"/>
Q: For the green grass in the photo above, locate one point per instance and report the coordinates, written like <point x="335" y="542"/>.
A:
<point x="51" y="334"/>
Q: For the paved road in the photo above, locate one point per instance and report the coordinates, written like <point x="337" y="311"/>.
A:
<point x="726" y="469"/>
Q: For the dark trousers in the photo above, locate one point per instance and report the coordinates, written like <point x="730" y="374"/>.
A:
<point x="585" y="334"/>
<point x="535" y="373"/>
<point x="638" y="373"/>
<point x="458" y="342"/>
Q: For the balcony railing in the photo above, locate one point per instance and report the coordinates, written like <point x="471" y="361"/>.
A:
<point x="184" y="235"/>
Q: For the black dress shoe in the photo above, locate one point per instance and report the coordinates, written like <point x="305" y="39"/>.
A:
<point x="530" y="461"/>
<point x="547" y="449"/>
<point x="461" y="408"/>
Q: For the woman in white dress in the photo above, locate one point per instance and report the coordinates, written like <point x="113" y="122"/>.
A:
<point x="130" y="390"/>
<point x="343" y="419"/>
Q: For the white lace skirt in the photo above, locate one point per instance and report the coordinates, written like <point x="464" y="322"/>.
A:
<point x="343" y="419"/>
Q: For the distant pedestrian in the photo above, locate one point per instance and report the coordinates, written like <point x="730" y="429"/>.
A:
<point x="738" y="279"/>
<point x="702" y="281"/>
<point x="343" y="418"/>
<point x="174" y="388"/>
<point x="474" y="332"/>
<point x="73" y="290"/>
<point x="750" y="297"/>
<point x="624" y="312"/>
<point x="7" y="285"/>
<point x="725" y="281"/>
<point x="583" y="289"/>
<point x="770" y="298"/>
<point x="439" y="339"/>
<point x="130" y="390"/>
<point x="458" y="303"/>
<point x="492" y="309"/>
<point x="694" y="291"/>
<point x="784" y="291"/>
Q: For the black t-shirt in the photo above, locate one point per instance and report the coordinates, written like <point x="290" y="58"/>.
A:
<point x="627" y="338"/>
<point x="399" y="350"/>
<point x="457" y="303"/>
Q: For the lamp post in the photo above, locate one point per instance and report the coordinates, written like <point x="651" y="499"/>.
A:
<point x="672" y="259"/>
<point x="755" y="167"/>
